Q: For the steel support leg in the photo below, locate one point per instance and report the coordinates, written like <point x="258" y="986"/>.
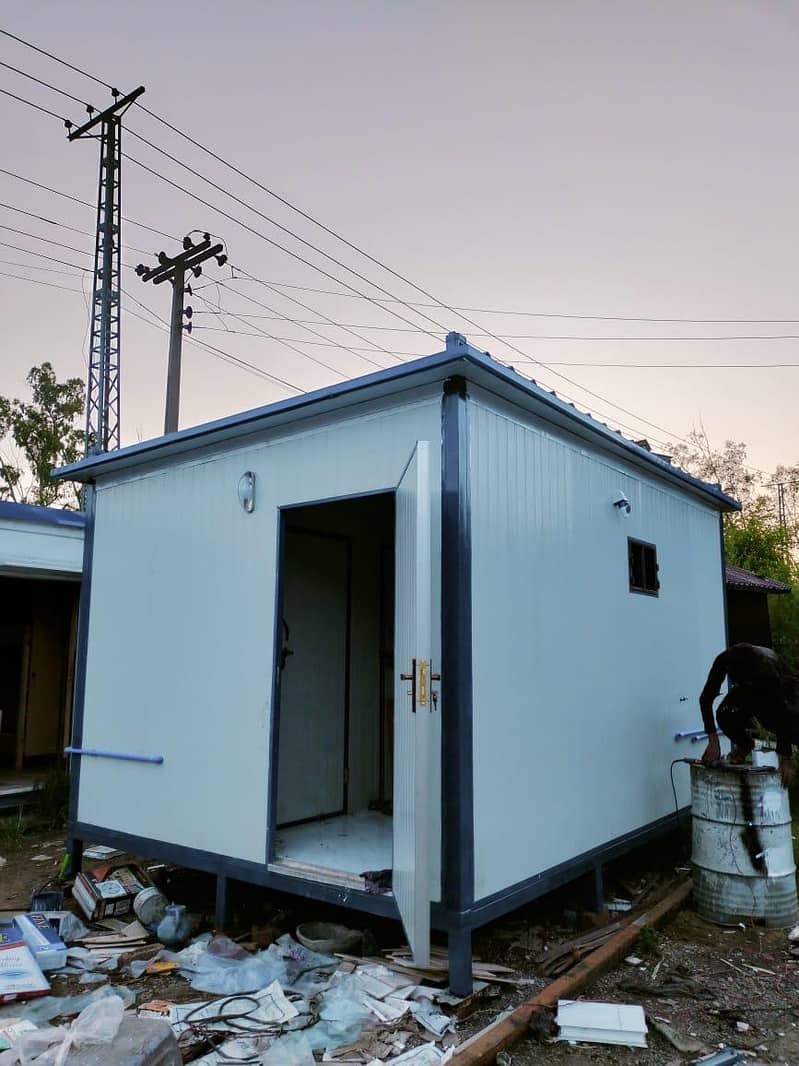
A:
<point x="222" y="914"/>
<point x="459" y="944"/>
<point x="75" y="852"/>
<point x="598" y="902"/>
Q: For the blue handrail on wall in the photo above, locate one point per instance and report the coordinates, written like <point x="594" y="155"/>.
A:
<point x="114" y="755"/>
<point x="694" y="734"/>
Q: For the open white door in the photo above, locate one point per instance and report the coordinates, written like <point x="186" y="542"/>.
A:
<point x="413" y="701"/>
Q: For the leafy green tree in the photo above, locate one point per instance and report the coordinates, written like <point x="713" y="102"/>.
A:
<point x="37" y="436"/>
<point x="757" y="543"/>
<point x="754" y="539"/>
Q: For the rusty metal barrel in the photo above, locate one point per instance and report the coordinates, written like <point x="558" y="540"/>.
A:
<point x="742" y="855"/>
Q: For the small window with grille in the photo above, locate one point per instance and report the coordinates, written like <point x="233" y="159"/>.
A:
<point x="643" y="564"/>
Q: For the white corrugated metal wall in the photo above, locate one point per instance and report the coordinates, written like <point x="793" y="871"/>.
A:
<point x="578" y="682"/>
<point x="182" y="615"/>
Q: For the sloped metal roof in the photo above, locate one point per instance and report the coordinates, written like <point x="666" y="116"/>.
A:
<point x="735" y="577"/>
<point x="47" y="516"/>
<point x="459" y="358"/>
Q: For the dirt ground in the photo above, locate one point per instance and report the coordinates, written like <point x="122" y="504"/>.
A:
<point x="697" y="978"/>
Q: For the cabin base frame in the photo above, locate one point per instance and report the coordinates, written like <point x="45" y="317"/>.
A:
<point x="458" y="925"/>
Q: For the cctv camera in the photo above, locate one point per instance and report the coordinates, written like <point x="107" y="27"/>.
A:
<point x="623" y="504"/>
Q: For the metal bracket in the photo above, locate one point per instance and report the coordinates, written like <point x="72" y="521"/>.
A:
<point x="412" y="678"/>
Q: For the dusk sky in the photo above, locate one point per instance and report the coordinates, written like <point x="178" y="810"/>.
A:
<point x="625" y="160"/>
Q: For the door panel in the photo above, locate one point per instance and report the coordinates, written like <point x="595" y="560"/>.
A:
<point x="313" y="691"/>
<point x="44" y="708"/>
<point x="412" y="701"/>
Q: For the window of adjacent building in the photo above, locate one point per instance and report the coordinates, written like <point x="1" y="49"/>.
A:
<point x="643" y="563"/>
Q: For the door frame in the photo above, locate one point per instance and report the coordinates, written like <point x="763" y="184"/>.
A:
<point x="284" y="525"/>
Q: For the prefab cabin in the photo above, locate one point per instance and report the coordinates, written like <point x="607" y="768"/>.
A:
<point x="433" y="626"/>
<point x="41" y="556"/>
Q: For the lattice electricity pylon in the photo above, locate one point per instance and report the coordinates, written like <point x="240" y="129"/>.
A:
<point x="102" y="391"/>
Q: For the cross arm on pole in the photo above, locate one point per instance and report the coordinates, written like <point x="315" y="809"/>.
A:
<point x="117" y="108"/>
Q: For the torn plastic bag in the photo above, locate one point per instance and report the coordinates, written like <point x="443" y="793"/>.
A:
<point x="96" y="1025"/>
<point x="342" y="1016"/>
<point x="291" y="1050"/>
<point x="42" y="1011"/>
<point x="299" y="959"/>
<point x="71" y="928"/>
<point x="230" y="976"/>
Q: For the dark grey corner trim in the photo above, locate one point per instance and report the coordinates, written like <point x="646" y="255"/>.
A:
<point x="82" y="650"/>
<point x="724" y="582"/>
<point x="457" y="772"/>
<point x="492" y="907"/>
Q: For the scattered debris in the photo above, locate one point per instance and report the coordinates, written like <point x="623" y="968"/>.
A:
<point x="580" y="1021"/>
<point x="109" y="892"/>
<point x="21" y="976"/>
<point x="48" y="948"/>
<point x="619" y="905"/>
<point x="327" y="938"/>
<point x="686" y="1045"/>
<point x="556" y="961"/>
<point x="101" y="851"/>
<point x="725" y="1057"/>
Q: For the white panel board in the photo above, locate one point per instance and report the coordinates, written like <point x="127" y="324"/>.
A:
<point x="182" y="623"/>
<point x="579" y="684"/>
<point x="313" y="687"/>
<point x="413" y="705"/>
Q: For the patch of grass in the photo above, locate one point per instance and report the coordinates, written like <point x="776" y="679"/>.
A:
<point x="648" y="941"/>
<point x="13" y="828"/>
<point x="52" y="798"/>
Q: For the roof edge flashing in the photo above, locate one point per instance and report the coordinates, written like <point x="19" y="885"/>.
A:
<point x="459" y="357"/>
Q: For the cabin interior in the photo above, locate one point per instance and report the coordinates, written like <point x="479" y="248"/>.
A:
<point x="333" y="745"/>
<point x="37" y="652"/>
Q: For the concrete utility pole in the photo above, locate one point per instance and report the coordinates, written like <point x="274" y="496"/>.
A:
<point x="102" y="390"/>
<point x="174" y="270"/>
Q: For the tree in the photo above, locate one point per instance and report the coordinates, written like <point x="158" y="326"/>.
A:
<point x="757" y="543"/>
<point x="46" y="434"/>
<point x="755" y="539"/>
<point x="725" y="466"/>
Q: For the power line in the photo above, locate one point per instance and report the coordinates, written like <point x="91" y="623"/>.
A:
<point x="269" y="240"/>
<point x="289" y="342"/>
<point x="30" y="103"/>
<point x="85" y="203"/>
<point x="246" y="276"/>
<point x="46" y="84"/>
<point x="218" y="352"/>
<point x="285" y="229"/>
<point x="548" y="314"/>
<point x="41" y="255"/>
<point x="513" y="347"/>
<point x="46" y="240"/>
<point x="514" y="336"/>
<point x="57" y="59"/>
<point x="35" y="266"/>
<point x="330" y="321"/>
<point x="49" y="221"/>
<point x="38" y="281"/>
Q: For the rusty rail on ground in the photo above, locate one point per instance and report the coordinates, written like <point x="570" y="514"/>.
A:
<point x="483" y="1047"/>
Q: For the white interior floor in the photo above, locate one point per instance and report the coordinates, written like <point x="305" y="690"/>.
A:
<point x="351" y="843"/>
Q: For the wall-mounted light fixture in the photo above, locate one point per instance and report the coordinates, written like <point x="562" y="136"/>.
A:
<point x="622" y="504"/>
<point x="247" y="491"/>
